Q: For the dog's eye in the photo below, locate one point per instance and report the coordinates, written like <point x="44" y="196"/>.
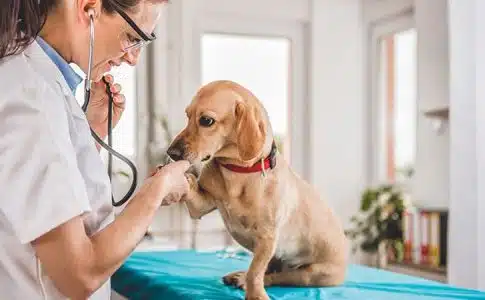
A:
<point x="206" y="121"/>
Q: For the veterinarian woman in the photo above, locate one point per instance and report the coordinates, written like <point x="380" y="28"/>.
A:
<point x="58" y="237"/>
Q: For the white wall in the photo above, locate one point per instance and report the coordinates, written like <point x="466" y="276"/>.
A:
<point x="431" y="180"/>
<point x="479" y="113"/>
<point x="337" y="131"/>
<point x="467" y="130"/>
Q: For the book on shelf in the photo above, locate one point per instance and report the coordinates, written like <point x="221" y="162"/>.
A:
<point x="425" y="237"/>
<point x="424" y="231"/>
<point x="408" y="236"/>
<point x="434" y="241"/>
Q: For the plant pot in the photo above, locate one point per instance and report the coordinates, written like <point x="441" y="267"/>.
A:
<point x="381" y="255"/>
<point x="368" y="258"/>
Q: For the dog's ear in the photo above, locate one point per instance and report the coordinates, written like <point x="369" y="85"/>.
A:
<point x="250" y="131"/>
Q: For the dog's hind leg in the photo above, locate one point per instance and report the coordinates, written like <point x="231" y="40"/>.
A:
<point x="314" y="275"/>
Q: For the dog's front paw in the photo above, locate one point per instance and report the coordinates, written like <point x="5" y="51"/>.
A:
<point x="193" y="187"/>
<point x="237" y="279"/>
<point x="192" y="180"/>
<point x="257" y="296"/>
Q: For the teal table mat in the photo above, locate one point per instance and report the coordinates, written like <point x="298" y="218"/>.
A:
<point x="186" y="274"/>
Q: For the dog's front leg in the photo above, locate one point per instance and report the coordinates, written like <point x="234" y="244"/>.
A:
<point x="263" y="252"/>
<point x="198" y="201"/>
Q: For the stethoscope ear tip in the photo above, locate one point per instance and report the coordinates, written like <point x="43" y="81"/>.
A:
<point x="91" y="12"/>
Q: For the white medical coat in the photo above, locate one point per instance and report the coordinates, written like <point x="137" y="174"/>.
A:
<point x="50" y="170"/>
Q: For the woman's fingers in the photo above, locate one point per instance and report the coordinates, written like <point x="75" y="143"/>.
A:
<point x="109" y="78"/>
<point x="156" y="170"/>
<point x="115" y="88"/>
<point x="170" y="199"/>
<point x="119" y="100"/>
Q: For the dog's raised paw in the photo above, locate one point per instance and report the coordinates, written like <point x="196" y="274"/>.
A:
<point x="236" y="279"/>
<point x="192" y="180"/>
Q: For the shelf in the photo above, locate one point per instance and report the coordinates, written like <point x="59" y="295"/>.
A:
<point x="438" y="112"/>
<point x="428" y="272"/>
<point x="436" y="270"/>
<point x="431" y="209"/>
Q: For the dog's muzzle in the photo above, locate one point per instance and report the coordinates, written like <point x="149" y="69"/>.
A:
<point x="176" y="151"/>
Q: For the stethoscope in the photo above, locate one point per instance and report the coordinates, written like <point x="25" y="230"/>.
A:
<point x="87" y="96"/>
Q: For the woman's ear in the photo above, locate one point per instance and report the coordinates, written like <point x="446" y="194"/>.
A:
<point x="250" y="131"/>
<point x="88" y="8"/>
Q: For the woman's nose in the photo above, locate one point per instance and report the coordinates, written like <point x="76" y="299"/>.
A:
<point x="131" y="56"/>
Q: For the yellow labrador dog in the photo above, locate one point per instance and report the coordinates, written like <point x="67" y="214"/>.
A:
<point x="295" y="238"/>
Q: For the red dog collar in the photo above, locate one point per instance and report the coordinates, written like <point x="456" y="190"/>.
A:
<point x="268" y="163"/>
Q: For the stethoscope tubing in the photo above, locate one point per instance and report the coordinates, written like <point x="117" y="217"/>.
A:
<point x="108" y="147"/>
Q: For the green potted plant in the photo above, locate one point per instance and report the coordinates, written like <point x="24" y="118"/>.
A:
<point x="377" y="227"/>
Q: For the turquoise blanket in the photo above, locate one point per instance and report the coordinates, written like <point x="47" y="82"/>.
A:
<point x="188" y="274"/>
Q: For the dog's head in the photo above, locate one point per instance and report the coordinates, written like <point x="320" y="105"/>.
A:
<point x="225" y="120"/>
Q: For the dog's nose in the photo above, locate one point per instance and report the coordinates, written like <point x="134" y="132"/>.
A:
<point x="176" y="151"/>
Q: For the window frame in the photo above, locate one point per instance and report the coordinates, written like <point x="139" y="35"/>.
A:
<point x="298" y="105"/>
<point x="377" y="30"/>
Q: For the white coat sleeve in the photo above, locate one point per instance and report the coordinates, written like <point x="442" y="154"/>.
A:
<point x="40" y="183"/>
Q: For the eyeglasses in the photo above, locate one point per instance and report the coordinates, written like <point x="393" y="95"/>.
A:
<point x="146" y="39"/>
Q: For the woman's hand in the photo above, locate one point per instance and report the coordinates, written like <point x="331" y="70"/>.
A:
<point x="97" y="111"/>
<point x="167" y="184"/>
<point x="178" y="182"/>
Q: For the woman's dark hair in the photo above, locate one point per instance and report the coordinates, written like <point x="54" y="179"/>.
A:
<point x="20" y="23"/>
<point x="22" y="20"/>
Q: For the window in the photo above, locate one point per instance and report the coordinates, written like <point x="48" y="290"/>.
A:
<point x="397" y="88"/>
<point x="261" y="64"/>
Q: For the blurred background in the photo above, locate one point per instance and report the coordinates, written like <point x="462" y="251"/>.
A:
<point x="374" y="102"/>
